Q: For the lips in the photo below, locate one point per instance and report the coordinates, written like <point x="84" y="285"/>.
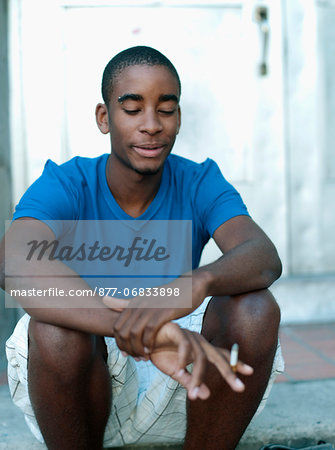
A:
<point x="149" y="150"/>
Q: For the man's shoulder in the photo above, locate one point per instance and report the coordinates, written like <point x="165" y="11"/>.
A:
<point x="76" y="168"/>
<point x="78" y="163"/>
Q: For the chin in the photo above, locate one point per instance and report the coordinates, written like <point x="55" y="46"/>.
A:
<point x="147" y="170"/>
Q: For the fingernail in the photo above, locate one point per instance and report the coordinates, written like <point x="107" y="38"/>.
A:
<point x="195" y="392"/>
<point x="181" y="372"/>
<point x="137" y="358"/>
<point x="124" y="354"/>
<point x="146" y="350"/>
<point x="238" y="383"/>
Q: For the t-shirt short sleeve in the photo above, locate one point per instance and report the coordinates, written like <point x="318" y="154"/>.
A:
<point x="215" y="199"/>
<point x="52" y="198"/>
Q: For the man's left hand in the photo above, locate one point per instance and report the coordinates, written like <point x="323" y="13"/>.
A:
<point x="141" y="317"/>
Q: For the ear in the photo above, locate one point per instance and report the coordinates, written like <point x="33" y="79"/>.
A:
<point x="101" y="116"/>
<point x="179" y="119"/>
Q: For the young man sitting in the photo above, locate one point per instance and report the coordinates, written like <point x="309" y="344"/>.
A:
<point x="100" y="371"/>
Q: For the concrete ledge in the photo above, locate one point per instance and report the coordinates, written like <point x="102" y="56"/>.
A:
<point x="306" y="299"/>
<point x="297" y="414"/>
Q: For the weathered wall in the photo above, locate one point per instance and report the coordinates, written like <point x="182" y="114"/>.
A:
<point x="7" y="316"/>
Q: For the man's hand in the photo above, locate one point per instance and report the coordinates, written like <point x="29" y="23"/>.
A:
<point x="175" y="348"/>
<point x="141" y="317"/>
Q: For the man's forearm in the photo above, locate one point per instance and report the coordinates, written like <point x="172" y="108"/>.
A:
<point x="250" y="266"/>
<point x="77" y="308"/>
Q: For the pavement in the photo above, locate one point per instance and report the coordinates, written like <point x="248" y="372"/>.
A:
<point x="299" y="413"/>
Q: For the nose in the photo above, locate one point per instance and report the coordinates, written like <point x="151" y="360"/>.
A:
<point x="150" y="123"/>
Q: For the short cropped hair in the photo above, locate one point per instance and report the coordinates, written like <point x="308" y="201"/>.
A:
<point x="140" y="55"/>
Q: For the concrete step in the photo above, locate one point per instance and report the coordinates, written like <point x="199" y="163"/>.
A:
<point x="297" y="414"/>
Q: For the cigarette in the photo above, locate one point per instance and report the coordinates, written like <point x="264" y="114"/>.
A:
<point x="234" y="357"/>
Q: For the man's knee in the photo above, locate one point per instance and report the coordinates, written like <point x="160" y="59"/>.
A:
<point x="251" y="319"/>
<point x="63" y="352"/>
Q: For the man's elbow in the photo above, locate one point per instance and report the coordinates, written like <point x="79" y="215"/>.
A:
<point x="272" y="272"/>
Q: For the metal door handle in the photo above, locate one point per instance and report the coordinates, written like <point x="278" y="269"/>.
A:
<point x="262" y="18"/>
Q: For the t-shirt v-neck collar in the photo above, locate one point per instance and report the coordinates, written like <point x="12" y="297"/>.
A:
<point x="116" y="208"/>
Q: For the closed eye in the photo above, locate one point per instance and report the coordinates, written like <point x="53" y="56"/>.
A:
<point x="167" y="112"/>
<point x="131" y="112"/>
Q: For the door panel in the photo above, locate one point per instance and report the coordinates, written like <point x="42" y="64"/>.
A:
<point x="310" y="115"/>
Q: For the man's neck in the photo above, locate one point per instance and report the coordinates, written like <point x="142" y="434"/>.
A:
<point x="132" y="191"/>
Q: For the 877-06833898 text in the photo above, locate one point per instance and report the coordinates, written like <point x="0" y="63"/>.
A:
<point x="141" y="292"/>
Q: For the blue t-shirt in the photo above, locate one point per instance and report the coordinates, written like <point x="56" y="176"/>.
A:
<point x="78" y="190"/>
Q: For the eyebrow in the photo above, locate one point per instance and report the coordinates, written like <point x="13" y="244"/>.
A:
<point x="168" y="97"/>
<point x="135" y="97"/>
<point x="139" y="98"/>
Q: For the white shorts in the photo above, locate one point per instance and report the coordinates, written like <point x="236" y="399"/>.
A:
<point x="147" y="405"/>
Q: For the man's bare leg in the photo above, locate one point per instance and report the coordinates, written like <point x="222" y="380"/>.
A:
<point x="251" y="320"/>
<point x="69" y="386"/>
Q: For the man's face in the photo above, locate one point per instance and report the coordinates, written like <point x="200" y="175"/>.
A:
<point x="144" y="117"/>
